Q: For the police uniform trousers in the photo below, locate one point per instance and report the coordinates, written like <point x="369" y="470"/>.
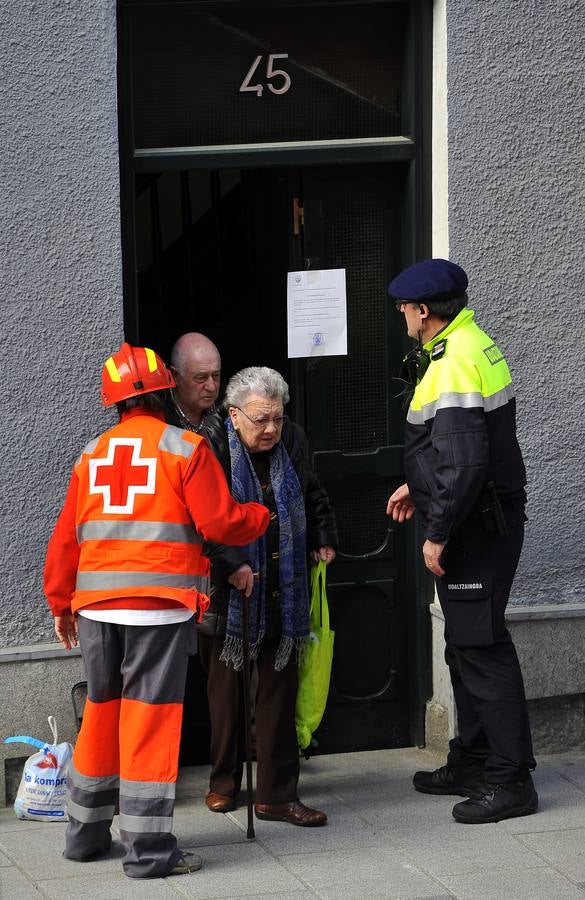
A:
<point x="126" y="755"/>
<point x="493" y="728"/>
<point x="277" y="752"/>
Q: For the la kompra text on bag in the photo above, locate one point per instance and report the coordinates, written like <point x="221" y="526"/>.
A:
<point x="42" y="793"/>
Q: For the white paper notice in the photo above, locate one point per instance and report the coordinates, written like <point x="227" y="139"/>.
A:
<point x="317" y="313"/>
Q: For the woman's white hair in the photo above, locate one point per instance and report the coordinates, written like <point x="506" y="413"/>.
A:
<point x="256" y="380"/>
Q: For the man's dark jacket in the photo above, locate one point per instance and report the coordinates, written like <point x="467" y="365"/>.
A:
<point x="321" y="527"/>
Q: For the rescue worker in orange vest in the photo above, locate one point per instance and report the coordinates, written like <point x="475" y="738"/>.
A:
<point x="125" y="573"/>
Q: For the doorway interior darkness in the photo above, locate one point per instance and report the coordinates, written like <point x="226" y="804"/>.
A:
<point x="207" y="246"/>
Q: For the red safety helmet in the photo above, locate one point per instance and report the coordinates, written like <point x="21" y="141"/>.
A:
<point x="133" y="371"/>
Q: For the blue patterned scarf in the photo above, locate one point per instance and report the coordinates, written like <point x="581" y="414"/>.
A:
<point x="292" y="563"/>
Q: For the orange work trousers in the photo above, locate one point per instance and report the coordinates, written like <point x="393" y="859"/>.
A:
<point x="126" y="756"/>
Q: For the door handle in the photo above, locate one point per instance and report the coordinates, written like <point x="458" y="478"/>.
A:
<point x="298" y="214"/>
<point x="389" y="685"/>
<point x="383" y="462"/>
<point x="372" y="553"/>
<point x="347" y="453"/>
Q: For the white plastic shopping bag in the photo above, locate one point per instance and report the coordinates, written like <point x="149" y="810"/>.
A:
<point x="43" y="787"/>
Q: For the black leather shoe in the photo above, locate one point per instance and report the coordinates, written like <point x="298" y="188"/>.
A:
<point x="447" y="780"/>
<point x="493" y="802"/>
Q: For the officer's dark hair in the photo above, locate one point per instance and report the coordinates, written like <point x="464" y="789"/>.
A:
<point x="447" y="309"/>
<point x="153" y="402"/>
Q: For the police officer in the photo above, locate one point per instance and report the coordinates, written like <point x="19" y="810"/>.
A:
<point x="466" y="477"/>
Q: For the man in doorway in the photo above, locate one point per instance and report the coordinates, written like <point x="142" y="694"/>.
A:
<point x="466" y="477"/>
<point x="196" y="366"/>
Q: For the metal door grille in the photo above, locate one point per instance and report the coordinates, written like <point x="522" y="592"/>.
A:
<point x="355" y="241"/>
<point x="189" y="64"/>
<point x="360" y="511"/>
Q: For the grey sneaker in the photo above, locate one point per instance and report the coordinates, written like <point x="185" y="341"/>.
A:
<point x="189" y="862"/>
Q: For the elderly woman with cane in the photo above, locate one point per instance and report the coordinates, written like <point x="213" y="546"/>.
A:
<point x="265" y="458"/>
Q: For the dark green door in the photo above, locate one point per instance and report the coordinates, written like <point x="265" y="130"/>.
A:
<point x="353" y="418"/>
<point x="217" y="246"/>
<point x="219" y="156"/>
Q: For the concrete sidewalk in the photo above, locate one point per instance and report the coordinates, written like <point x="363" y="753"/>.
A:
<point x="383" y="840"/>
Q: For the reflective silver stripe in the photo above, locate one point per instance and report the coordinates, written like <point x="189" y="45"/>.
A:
<point x="172" y="532"/>
<point x="91" y="783"/>
<point x="172" y="441"/>
<point x="455" y="399"/>
<point x="150" y="790"/>
<point x="102" y="581"/>
<point x="450" y="399"/>
<point x="500" y="398"/>
<point x="85" y="815"/>
<point x="89" y="448"/>
<point x="415" y="417"/>
<point x="145" y="824"/>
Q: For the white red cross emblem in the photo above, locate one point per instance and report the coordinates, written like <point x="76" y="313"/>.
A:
<point x="122" y="475"/>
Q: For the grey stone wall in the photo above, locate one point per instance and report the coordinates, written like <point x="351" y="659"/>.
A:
<point x="61" y="294"/>
<point x="35" y="682"/>
<point x="516" y="119"/>
<point x="549" y="639"/>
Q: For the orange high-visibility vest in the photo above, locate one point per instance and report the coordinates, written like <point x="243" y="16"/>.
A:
<point x="135" y="534"/>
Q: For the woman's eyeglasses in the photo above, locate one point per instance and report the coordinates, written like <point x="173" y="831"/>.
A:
<point x="263" y="421"/>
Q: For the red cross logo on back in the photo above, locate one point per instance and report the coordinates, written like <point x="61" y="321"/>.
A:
<point x="122" y="474"/>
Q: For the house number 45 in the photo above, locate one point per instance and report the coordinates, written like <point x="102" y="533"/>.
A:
<point x="271" y="72"/>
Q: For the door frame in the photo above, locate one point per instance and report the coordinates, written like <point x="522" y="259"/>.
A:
<point x="413" y="146"/>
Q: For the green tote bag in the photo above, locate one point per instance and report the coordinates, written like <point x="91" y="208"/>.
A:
<point x="315" y="662"/>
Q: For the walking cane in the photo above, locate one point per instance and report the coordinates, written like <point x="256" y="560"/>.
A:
<point x="247" y="715"/>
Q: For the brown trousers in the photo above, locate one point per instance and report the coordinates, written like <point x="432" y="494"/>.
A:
<point x="277" y="752"/>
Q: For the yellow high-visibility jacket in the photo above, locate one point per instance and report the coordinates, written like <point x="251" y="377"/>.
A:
<point x="461" y="430"/>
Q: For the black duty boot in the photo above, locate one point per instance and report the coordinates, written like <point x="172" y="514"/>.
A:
<point x="493" y="802"/>
<point x="448" y="780"/>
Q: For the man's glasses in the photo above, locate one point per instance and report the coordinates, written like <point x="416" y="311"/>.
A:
<point x="263" y="421"/>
